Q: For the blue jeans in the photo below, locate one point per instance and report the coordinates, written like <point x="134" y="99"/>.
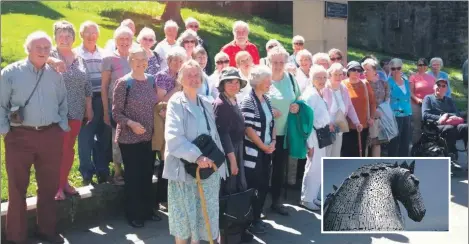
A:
<point x="95" y="140"/>
<point x="399" y="145"/>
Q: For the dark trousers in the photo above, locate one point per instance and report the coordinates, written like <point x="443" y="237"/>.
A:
<point x="161" y="185"/>
<point x="139" y="196"/>
<point x="399" y="145"/>
<point x="99" y="147"/>
<point x="300" y="171"/>
<point x="258" y="178"/>
<point x="453" y="133"/>
<point x="23" y="148"/>
<point x="350" y="143"/>
<point x="279" y="165"/>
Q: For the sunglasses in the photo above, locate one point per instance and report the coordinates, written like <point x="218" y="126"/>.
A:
<point x="355" y="70"/>
<point x="191" y="41"/>
<point x="271" y="46"/>
<point x="223" y="62"/>
<point x="298" y="43"/>
<point x="147" y="39"/>
<point x="441" y="85"/>
<point x="193" y="26"/>
<point x="395" y="68"/>
<point x="336" y="59"/>
<point x="421" y="65"/>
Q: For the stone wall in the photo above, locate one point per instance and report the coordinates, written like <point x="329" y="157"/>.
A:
<point x="411" y="29"/>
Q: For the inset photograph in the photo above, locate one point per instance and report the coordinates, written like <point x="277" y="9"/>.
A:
<point x="385" y="194"/>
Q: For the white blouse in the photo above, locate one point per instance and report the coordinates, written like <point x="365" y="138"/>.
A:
<point x="321" y="113"/>
<point x="302" y="80"/>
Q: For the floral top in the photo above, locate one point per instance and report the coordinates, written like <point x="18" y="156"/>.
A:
<point x="381" y="90"/>
<point x="154" y="64"/>
<point x="165" y="81"/>
<point x="77" y="85"/>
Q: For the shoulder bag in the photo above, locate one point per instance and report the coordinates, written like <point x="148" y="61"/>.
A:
<point x="324" y="134"/>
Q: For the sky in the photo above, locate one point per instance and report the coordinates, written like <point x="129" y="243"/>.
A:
<point x="434" y="179"/>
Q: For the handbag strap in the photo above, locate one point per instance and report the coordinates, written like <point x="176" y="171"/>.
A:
<point x="35" y="88"/>
<point x="205" y="114"/>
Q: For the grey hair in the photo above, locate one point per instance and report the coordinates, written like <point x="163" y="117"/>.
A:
<point x="240" y="55"/>
<point x="335" y="51"/>
<point x="369" y="61"/>
<point x="316" y="69"/>
<point x="271" y="42"/>
<point x="127" y="22"/>
<point x="187" y="65"/>
<point x="277" y="51"/>
<point x="258" y="74"/>
<point x="221" y="55"/>
<point x="191" y="20"/>
<point x="298" y="38"/>
<point x="335" y="67"/>
<point x="171" y="23"/>
<point x="240" y="24"/>
<point x="123" y="30"/>
<point x="63" y="25"/>
<point x="34" y="37"/>
<point x="436" y="59"/>
<point x="87" y="24"/>
<point x="199" y="50"/>
<point x="321" y="56"/>
<point x="176" y="52"/>
<point x="136" y="50"/>
<point x="187" y="34"/>
<point x="146" y="32"/>
<point x="395" y="62"/>
<point x="303" y="53"/>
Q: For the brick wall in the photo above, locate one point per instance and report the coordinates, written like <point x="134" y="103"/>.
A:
<point x="411" y="29"/>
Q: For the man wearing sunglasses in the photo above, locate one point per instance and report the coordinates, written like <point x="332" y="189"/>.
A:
<point x="194" y="25"/>
<point x="442" y="109"/>
<point x="298" y="43"/>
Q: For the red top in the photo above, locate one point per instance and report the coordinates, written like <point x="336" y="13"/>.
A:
<point x="423" y="84"/>
<point x="232" y="49"/>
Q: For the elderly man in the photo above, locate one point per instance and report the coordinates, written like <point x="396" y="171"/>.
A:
<point x="93" y="57"/>
<point x="111" y="43"/>
<point x="298" y="43"/>
<point x="241" y="43"/>
<point x="442" y="109"/>
<point x="33" y="116"/>
<point x="162" y="48"/>
<point x="194" y="25"/>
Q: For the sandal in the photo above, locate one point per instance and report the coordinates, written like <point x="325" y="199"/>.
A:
<point x="60" y="196"/>
<point x="70" y="190"/>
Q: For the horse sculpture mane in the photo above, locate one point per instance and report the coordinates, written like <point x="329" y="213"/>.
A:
<point x="367" y="199"/>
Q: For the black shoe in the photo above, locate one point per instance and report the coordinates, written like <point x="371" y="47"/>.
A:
<point x="102" y="178"/>
<point x="257" y="228"/>
<point x="277" y="208"/>
<point x="136" y="223"/>
<point x="55" y="239"/>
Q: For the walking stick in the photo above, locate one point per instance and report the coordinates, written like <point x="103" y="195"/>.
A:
<point x="203" y="203"/>
<point x="360" y="143"/>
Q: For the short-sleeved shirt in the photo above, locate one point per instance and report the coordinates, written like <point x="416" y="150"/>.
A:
<point x="93" y="65"/>
<point x="381" y="91"/>
<point x="165" y="81"/>
<point x="119" y="66"/>
<point x="77" y="85"/>
<point x="423" y="84"/>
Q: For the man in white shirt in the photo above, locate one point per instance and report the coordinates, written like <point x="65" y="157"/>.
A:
<point x="171" y="32"/>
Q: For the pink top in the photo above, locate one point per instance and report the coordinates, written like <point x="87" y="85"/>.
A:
<point x="422" y="84"/>
<point x="349" y="109"/>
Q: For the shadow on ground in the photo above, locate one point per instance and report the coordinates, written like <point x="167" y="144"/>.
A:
<point x="30" y="8"/>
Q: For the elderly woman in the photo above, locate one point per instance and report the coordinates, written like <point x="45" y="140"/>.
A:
<point x="336" y="56"/>
<point x="132" y="109"/>
<point x="305" y="60"/>
<point x="268" y="46"/>
<point x="381" y="91"/>
<point x="200" y="55"/>
<point x="364" y="102"/>
<point x="241" y="43"/>
<point x="244" y="64"/>
<point x="260" y="140"/>
<point x="189" y="115"/>
<point x="283" y="93"/>
<point x="78" y="99"/>
<point x="115" y="66"/>
<point x="312" y="178"/>
<point x="166" y="79"/>
<point x="421" y="84"/>
<point x="147" y="39"/>
<point x="298" y="43"/>
<point x="322" y="59"/>
<point x="400" y="94"/>
<point x="340" y="106"/>
<point x="221" y="61"/>
<point x="162" y="48"/>
<point x="188" y="40"/>
<point x="111" y="44"/>
<point x="436" y="64"/>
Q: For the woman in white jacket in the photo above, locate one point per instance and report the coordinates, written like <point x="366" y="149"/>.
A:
<point x="312" y="177"/>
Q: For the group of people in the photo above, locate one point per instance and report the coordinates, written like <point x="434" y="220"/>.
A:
<point x="273" y="117"/>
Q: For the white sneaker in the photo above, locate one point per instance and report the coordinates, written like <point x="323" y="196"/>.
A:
<point x="310" y="206"/>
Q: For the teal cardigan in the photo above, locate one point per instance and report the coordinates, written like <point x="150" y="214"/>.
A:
<point x="400" y="102"/>
<point x="299" y="127"/>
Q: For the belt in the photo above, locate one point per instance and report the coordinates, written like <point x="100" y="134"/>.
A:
<point x="35" y="128"/>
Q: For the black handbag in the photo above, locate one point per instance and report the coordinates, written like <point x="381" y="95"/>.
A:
<point x="209" y="149"/>
<point x="325" y="136"/>
<point x="236" y="209"/>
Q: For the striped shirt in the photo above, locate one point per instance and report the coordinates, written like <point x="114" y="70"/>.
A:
<point x="93" y="63"/>
<point x="255" y="117"/>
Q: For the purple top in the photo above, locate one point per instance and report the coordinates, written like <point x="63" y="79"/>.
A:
<point x="141" y="99"/>
<point x="165" y="81"/>
<point x="154" y="65"/>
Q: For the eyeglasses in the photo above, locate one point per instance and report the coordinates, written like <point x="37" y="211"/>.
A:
<point x="421" y="65"/>
<point x="298" y="44"/>
<point x="396" y="68"/>
<point x="223" y="62"/>
<point x="193" y="26"/>
<point x="441" y="85"/>
<point x="271" y="46"/>
<point x="355" y="70"/>
<point x="147" y="39"/>
<point x="336" y="59"/>
<point x="191" y="41"/>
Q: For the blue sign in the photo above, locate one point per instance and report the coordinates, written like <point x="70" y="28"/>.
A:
<point x="336" y="10"/>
